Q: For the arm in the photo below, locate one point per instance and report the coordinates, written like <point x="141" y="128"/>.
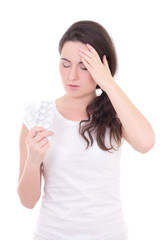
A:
<point x="135" y="128"/>
<point x="33" y="148"/>
<point x="29" y="182"/>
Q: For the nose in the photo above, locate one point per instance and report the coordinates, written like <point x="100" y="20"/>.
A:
<point x="73" y="74"/>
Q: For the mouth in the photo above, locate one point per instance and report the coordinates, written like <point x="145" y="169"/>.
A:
<point x="71" y="85"/>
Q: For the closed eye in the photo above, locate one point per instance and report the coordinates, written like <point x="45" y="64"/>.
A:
<point x="66" y="66"/>
<point x="83" y="67"/>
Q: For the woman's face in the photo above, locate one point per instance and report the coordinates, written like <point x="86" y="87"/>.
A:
<point x="73" y="71"/>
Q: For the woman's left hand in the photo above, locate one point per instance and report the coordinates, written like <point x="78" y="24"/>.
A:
<point x="99" y="71"/>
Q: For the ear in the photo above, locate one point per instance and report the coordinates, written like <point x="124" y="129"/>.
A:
<point x="105" y="60"/>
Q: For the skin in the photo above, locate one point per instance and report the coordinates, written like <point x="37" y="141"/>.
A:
<point x="33" y="148"/>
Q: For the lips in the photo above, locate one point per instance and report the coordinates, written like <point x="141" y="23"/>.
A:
<point x="71" y="85"/>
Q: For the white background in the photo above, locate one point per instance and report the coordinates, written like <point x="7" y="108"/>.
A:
<point x="29" y="36"/>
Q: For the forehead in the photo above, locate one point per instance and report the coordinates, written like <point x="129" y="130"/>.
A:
<point x="70" y="50"/>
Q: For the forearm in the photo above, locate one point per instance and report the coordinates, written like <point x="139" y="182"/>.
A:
<point x="29" y="186"/>
<point x="136" y="128"/>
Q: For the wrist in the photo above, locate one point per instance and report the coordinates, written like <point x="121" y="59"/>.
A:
<point x="109" y="86"/>
<point x="32" y="164"/>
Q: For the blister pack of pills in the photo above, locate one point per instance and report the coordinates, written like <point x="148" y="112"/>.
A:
<point x="46" y="115"/>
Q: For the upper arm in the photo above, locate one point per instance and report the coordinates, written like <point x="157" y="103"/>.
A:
<point x="22" y="149"/>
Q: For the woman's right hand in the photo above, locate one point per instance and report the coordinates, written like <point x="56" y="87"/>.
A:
<point x="37" y="144"/>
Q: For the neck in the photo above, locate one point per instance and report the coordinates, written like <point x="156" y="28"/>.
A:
<point x="78" y="103"/>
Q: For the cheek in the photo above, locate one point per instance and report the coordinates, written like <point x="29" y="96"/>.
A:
<point x="85" y="74"/>
<point x="62" y="71"/>
<point x="89" y="77"/>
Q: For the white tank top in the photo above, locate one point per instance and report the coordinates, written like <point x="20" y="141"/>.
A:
<point x="81" y="198"/>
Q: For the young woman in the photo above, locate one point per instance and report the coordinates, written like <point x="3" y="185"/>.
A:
<point x="75" y="143"/>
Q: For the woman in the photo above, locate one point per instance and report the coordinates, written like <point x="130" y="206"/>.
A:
<point x="75" y="143"/>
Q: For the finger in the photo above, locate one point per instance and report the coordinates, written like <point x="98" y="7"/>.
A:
<point x="34" y="130"/>
<point x="105" y="60"/>
<point x="38" y="138"/>
<point x="83" y="52"/>
<point x="43" y="142"/>
<point x="42" y="135"/>
<point x="92" y="61"/>
<point x="86" y="52"/>
<point x="92" y="49"/>
<point x="45" y="147"/>
<point x="37" y="128"/>
<point x="89" y="68"/>
<point x="87" y="59"/>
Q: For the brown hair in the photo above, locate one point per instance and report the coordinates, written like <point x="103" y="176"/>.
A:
<point x="100" y="112"/>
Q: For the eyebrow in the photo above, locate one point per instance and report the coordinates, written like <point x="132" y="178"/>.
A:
<point x="67" y="60"/>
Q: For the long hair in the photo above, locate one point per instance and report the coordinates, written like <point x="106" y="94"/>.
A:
<point x="100" y="111"/>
